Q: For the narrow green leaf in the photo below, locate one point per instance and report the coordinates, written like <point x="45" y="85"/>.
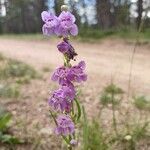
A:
<point x="6" y="138"/>
<point x="79" y="109"/>
<point x="4" y="120"/>
<point x="85" y="129"/>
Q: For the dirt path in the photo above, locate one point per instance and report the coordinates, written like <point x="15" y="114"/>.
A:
<point x="105" y="60"/>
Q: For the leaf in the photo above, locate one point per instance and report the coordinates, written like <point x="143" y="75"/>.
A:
<point x="79" y="109"/>
<point x="85" y="129"/>
<point x="9" y="139"/>
<point x="4" y="120"/>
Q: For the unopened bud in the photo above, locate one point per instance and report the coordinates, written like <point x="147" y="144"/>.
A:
<point x="73" y="142"/>
<point x="64" y="8"/>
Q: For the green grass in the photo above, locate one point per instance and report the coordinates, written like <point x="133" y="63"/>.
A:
<point x="9" y="91"/>
<point x="109" y="92"/>
<point x="17" y="71"/>
<point x="5" y="136"/>
<point x="95" y="33"/>
<point x="46" y="69"/>
<point x="93" y="138"/>
<point x="140" y="131"/>
<point x="142" y="103"/>
<point x="1" y="57"/>
<point x="14" y="68"/>
<point x="13" y="73"/>
<point x="30" y="36"/>
<point x="91" y="34"/>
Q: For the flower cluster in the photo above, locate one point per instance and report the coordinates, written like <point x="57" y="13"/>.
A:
<point x="62" y="25"/>
<point x="65" y="125"/>
<point x="62" y="100"/>
<point x="66" y="75"/>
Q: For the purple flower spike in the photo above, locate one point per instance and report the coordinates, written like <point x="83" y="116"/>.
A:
<point x="66" y="25"/>
<point x="66" y="48"/>
<point x="65" y="126"/>
<point x="63" y="99"/>
<point x="51" y="23"/>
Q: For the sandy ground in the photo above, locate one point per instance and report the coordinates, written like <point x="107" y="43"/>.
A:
<point x="106" y="60"/>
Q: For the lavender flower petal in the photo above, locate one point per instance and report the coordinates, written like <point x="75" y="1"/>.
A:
<point x="66" y="25"/>
<point x="65" y="126"/>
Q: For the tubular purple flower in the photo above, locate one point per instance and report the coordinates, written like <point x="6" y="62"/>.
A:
<point x="66" y="48"/>
<point x="66" y="75"/>
<point x="60" y="75"/>
<point x="68" y="92"/>
<point x="51" y="23"/>
<point x="65" y="125"/>
<point x="66" y="24"/>
<point x="76" y="73"/>
<point x="62" y="98"/>
<point x="58" y="102"/>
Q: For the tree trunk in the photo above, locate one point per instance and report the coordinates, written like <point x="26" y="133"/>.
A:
<point x="57" y="6"/>
<point x="85" y="14"/>
<point x="139" y="11"/>
<point x="39" y="6"/>
<point x="103" y="14"/>
<point x="75" y="12"/>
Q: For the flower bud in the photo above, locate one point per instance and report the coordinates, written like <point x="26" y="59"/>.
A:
<point x="64" y="8"/>
<point x="73" y="142"/>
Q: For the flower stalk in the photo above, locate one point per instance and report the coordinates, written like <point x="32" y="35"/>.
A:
<point x="63" y="101"/>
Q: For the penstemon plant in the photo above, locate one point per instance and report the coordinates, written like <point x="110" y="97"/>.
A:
<point x="64" y="105"/>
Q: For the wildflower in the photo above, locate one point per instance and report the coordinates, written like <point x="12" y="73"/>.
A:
<point x="66" y="75"/>
<point x="66" y="24"/>
<point x="65" y="126"/>
<point x="68" y="92"/>
<point x="76" y="73"/>
<point x="62" y="99"/>
<point x="60" y="75"/>
<point x="51" y="23"/>
<point x="66" y="48"/>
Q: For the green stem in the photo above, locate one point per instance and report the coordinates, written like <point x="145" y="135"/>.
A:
<point x="114" y="116"/>
<point x="53" y="117"/>
<point x="132" y="61"/>
<point x="69" y="147"/>
<point x="67" y="64"/>
<point x="66" y="61"/>
<point x="79" y="109"/>
<point x="133" y="54"/>
<point x="64" y="138"/>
